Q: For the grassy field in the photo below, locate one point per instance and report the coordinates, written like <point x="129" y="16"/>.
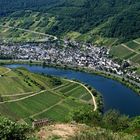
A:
<point x="25" y="95"/>
<point x="138" y="39"/>
<point x="18" y="81"/>
<point x="75" y="90"/>
<point x="15" y="35"/>
<point x="30" y="21"/>
<point x="130" y="52"/>
<point x="133" y="45"/>
<point x="121" y="52"/>
<point x="60" y="111"/>
<point x="30" y="106"/>
<point x="136" y="59"/>
<point x="3" y="70"/>
<point x="138" y="70"/>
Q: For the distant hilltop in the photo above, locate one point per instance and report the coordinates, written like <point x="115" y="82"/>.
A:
<point x="98" y="21"/>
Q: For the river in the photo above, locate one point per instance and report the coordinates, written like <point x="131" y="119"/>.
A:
<point x="115" y="95"/>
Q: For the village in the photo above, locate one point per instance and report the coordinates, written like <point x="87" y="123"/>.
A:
<point x="68" y="53"/>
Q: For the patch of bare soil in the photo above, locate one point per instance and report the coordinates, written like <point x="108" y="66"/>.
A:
<point x="59" y="131"/>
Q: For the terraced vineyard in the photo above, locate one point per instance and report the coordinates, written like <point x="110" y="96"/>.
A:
<point x="32" y="26"/>
<point x="74" y="90"/>
<point x="25" y="95"/>
<point x="121" y="52"/>
<point x="129" y="51"/>
<point x="3" y="71"/>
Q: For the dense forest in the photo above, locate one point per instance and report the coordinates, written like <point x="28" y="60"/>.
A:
<point x="122" y="16"/>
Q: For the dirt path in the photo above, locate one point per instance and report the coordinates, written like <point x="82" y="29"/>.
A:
<point x="63" y="85"/>
<point x="37" y="93"/>
<point x="130" y="49"/>
<point x="136" y="42"/>
<point x="93" y="98"/>
<point x="26" y="30"/>
<point x="72" y="90"/>
<point x="45" y="110"/>
<point x="8" y="70"/>
<point x="19" y="94"/>
<point x="113" y="43"/>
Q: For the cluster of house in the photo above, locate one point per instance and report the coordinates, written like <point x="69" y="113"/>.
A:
<point x="68" y="53"/>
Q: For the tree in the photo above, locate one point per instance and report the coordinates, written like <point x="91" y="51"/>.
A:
<point x="85" y="114"/>
<point x="135" y="124"/>
<point x="115" y="121"/>
<point x="10" y="130"/>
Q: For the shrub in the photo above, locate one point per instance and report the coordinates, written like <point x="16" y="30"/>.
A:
<point x="10" y="130"/>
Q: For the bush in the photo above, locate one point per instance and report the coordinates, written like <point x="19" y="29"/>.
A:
<point x="86" y="115"/>
<point x="10" y="130"/>
<point x="115" y="121"/>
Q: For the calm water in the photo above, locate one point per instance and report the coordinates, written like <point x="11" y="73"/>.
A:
<point x="115" y="95"/>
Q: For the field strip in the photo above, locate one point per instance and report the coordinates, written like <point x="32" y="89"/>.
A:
<point x="136" y="42"/>
<point x="45" y="110"/>
<point x="86" y="102"/>
<point x="24" y="108"/>
<point x="64" y="87"/>
<point x="72" y="89"/>
<point x="26" y="30"/>
<point x="60" y="86"/>
<point x="56" y="93"/>
<point x="83" y="95"/>
<point x="37" y="93"/>
<point x="13" y="95"/>
<point x="8" y="70"/>
<point x="93" y="98"/>
<point x="113" y="43"/>
<point x="133" y="56"/>
<point x="130" y="49"/>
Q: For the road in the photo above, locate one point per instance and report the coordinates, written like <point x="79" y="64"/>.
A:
<point x="19" y="94"/>
<point x="31" y="31"/>
<point x="93" y="98"/>
<point x="37" y="93"/>
<point x="130" y="49"/>
<point x="8" y="70"/>
<point x="136" y="42"/>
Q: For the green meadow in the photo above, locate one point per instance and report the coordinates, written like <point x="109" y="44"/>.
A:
<point x="121" y="52"/>
<point x="25" y="95"/>
<point x="2" y="70"/>
<point x="131" y="51"/>
<point x="133" y="45"/>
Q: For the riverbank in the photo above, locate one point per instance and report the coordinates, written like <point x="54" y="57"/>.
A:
<point x="96" y="96"/>
<point x="115" y="95"/>
<point x="125" y="81"/>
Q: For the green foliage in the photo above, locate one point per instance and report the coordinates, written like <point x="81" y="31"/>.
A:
<point x="112" y="119"/>
<point x="27" y="100"/>
<point x="56" y="81"/>
<point x="115" y="121"/>
<point x="125" y="25"/>
<point x="10" y="130"/>
<point x="86" y="115"/>
<point x="101" y="134"/>
<point x="135" y="125"/>
<point x="112" y="18"/>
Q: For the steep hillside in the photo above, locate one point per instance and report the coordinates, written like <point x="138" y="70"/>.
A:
<point x="25" y="95"/>
<point x="79" y="132"/>
<point x="120" y="18"/>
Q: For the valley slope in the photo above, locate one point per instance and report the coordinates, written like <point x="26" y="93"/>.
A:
<point x="26" y="95"/>
<point x="102" y="22"/>
<point x="117" y="19"/>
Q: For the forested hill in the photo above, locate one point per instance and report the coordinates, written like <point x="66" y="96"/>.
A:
<point x="114" y="18"/>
